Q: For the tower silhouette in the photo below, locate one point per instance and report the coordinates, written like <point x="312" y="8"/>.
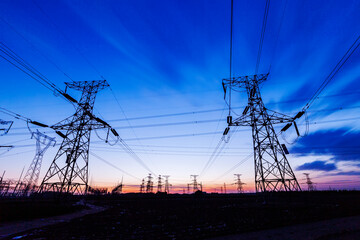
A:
<point x="69" y="170"/>
<point x="309" y="183"/>
<point x="272" y="169"/>
<point x="239" y="184"/>
<point x="43" y="142"/>
<point x="149" y="184"/>
<point x="167" y="184"/>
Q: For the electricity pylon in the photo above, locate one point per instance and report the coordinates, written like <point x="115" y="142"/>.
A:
<point x="142" y="186"/>
<point x="194" y="183"/>
<point x="272" y="169"/>
<point x="43" y="142"/>
<point x="310" y="184"/>
<point x="68" y="172"/>
<point x="239" y="184"/>
<point x="149" y="184"/>
<point x="167" y="185"/>
<point x="159" y="186"/>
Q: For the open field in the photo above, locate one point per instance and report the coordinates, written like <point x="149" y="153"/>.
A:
<point x="150" y="216"/>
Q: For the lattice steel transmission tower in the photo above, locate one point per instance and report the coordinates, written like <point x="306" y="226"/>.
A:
<point x="149" y="184"/>
<point x="272" y="169"/>
<point x="194" y="184"/>
<point x="167" y="184"/>
<point x="309" y="183"/>
<point x="43" y="142"/>
<point x="239" y="184"/>
<point x="159" y="186"/>
<point x="142" y="186"/>
<point x="68" y="172"/>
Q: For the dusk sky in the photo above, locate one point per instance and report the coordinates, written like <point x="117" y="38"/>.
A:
<point x="165" y="61"/>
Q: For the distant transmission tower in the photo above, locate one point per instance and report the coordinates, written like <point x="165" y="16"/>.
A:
<point x="159" y="186"/>
<point x="43" y="142"/>
<point x="194" y="183"/>
<point x="142" y="186"/>
<point x="310" y="184"/>
<point x="239" y="184"/>
<point x="167" y="185"/>
<point x="272" y="169"/>
<point x="149" y="184"/>
<point x="68" y="172"/>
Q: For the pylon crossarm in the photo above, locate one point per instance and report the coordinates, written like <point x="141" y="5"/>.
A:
<point x="67" y="122"/>
<point x="276" y="117"/>
<point x="242" y="80"/>
<point x="244" y="120"/>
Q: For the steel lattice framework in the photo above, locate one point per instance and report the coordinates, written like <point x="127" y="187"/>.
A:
<point x="7" y="125"/>
<point x="68" y="172"/>
<point x="239" y="184"/>
<point x="43" y="142"/>
<point x="309" y="183"/>
<point x="167" y="184"/>
<point x="272" y="169"/>
<point x="149" y="184"/>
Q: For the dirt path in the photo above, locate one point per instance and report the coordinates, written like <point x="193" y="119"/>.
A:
<point x="21" y="226"/>
<point x="339" y="228"/>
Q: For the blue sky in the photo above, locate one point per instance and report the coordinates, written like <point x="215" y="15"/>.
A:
<point x="168" y="57"/>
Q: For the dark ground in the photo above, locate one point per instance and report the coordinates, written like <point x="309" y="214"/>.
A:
<point x="136" y="216"/>
<point x="15" y="209"/>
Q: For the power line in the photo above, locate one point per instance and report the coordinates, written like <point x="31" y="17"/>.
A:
<point x="33" y="46"/>
<point x="221" y="109"/>
<point x="175" y="136"/>
<point x="112" y="165"/>
<point x="122" y="110"/>
<point x="9" y="155"/>
<point x="333" y="72"/>
<point x="234" y="167"/>
<point x="231" y="34"/>
<point x="127" y="149"/>
<point x="216" y="153"/>
<point x="231" y="41"/>
<point x="10" y="113"/>
<point x="167" y="115"/>
<point x="205" y="147"/>
<point x="68" y="39"/>
<point x="263" y="28"/>
<point x="217" y="120"/>
<point x="207" y="133"/>
<point x="278" y="35"/>
<point x="22" y="65"/>
<point x="14" y="59"/>
<point x="14" y="115"/>
<point x="334" y="150"/>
